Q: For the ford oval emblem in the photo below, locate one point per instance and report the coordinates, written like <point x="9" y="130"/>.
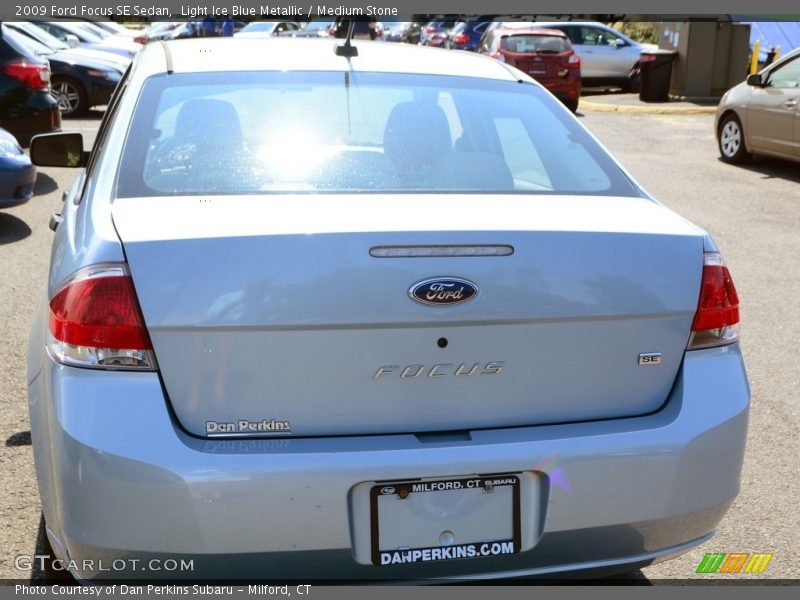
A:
<point x="443" y="291"/>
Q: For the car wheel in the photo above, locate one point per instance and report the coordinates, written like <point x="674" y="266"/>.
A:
<point x="572" y="105"/>
<point x="70" y="95"/>
<point x="730" y="138"/>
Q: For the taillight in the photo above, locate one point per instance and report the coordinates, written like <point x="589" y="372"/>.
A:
<point x="95" y="321"/>
<point x="35" y="76"/>
<point x="574" y="61"/>
<point x="717" y="317"/>
<point x="461" y="38"/>
<point x="430" y="30"/>
<point x="141" y="39"/>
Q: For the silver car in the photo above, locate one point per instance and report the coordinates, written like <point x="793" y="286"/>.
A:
<point x="762" y="115"/>
<point x="388" y="316"/>
<point x="608" y="57"/>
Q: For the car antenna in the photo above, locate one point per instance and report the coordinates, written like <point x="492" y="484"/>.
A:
<point x="347" y="49"/>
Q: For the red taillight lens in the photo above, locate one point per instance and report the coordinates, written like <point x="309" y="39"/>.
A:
<point x="95" y="321"/>
<point x="574" y="61"/>
<point x="718" y="308"/>
<point x="35" y="76"/>
<point x="461" y="38"/>
<point x="430" y="30"/>
<point x="141" y="39"/>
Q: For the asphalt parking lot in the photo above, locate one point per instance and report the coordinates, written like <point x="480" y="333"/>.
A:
<point x="753" y="212"/>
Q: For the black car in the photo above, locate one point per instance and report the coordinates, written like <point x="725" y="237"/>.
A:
<point x="26" y="106"/>
<point x="76" y="82"/>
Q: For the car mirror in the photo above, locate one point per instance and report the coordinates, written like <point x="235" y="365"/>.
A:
<point x="72" y="40"/>
<point x="618" y="43"/>
<point x="755" y="80"/>
<point x="58" y="150"/>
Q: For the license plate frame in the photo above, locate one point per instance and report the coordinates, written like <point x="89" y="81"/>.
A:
<point x="433" y="486"/>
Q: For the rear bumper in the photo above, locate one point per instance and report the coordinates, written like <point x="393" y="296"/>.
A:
<point x="564" y="89"/>
<point x="17" y="179"/>
<point x="120" y="481"/>
<point x="40" y="116"/>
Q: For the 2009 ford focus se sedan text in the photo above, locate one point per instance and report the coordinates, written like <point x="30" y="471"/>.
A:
<point x="393" y="315"/>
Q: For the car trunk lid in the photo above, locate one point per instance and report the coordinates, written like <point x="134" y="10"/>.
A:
<point x="292" y="315"/>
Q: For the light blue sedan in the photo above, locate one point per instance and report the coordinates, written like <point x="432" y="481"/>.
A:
<point x="371" y="312"/>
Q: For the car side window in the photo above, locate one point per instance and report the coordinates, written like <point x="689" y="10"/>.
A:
<point x="573" y="33"/>
<point x="486" y="43"/>
<point x="54" y="31"/>
<point x="785" y="76"/>
<point x="594" y="36"/>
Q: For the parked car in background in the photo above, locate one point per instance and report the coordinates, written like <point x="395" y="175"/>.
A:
<point x="84" y="34"/>
<point x="466" y="35"/>
<point x="544" y="54"/>
<point x="457" y="341"/>
<point x="608" y="57"/>
<point x="156" y="31"/>
<point x="262" y="29"/>
<point x="435" y="32"/>
<point x="40" y="35"/>
<point x="17" y="173"/>
<point x="26" y="106"/>
<point x="361" y="28"/>
<point x="313" y="29"/>
<point x="76" y="82"/>
<point x="396" y="31"/>
<point x="762" y="115"/>
<point x="184" y="30"/>
<point x="193" y="29"/>
<point x="117" y="29"/>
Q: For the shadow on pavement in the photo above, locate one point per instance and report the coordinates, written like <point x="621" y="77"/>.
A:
<point x="44" y="184"/>
<point x="12" y="229"/>
<point x="91" y="115"/>
<point x="23" y="438"/>
<point x="43" y="571"/>
<point x="771" y="168"/>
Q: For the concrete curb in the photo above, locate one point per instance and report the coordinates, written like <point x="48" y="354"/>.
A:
<point x="655" y="109"/>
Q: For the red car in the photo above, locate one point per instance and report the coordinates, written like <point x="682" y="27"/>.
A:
<point x="544" y="54"/>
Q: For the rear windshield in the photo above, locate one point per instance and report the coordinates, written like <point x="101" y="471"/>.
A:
<point x="546" y="44"/>
<point x="279" y="132"/>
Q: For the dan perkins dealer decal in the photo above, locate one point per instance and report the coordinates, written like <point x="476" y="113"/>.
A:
<point x="398" y="557"/>
<point x="245" y="427"/>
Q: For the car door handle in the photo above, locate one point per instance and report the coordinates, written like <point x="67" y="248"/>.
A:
<point x="790" y="103"/>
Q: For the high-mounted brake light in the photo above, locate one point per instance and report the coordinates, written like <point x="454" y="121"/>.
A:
<point x="717" y="317"/>
<point x="95" y="321"/>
